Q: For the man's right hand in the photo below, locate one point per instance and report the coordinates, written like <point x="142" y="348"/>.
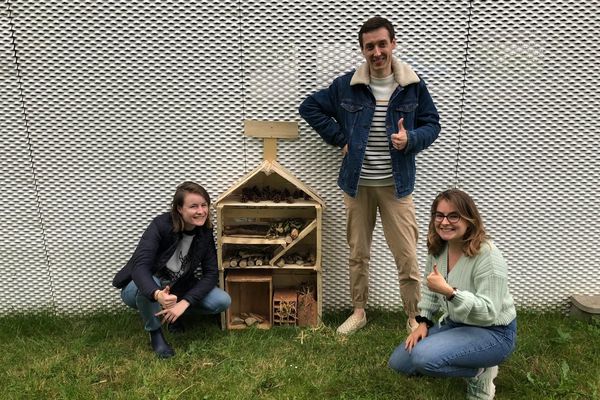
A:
<point x="400" y="138"/>
<point x="345" y="150"/>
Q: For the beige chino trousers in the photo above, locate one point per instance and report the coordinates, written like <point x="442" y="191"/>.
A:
<point x="401" y="233"/>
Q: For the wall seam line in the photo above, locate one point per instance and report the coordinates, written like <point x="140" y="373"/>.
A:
<point x="242" y="79"/>
<point x="463" y="94"/>
<point x="30" y="152"/>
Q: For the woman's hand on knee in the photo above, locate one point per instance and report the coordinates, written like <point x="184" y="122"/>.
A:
<point x="416" y="336"/>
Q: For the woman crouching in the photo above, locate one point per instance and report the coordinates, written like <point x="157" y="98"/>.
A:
<point x="161" y="278"/>
<point x="466" y="280"/>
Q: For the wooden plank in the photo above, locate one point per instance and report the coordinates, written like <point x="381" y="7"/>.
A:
<point x="268" y="266"/>
<point x="271" y="129"/>
<point x="319" y="258"/>
<point x="250" y="240"/>
<point x="319" y="297"/>
<point x="270" y="149"/>
<point x="234" y="202"/>
<point x="219" y="244"/>
<point x="249" y="277"/>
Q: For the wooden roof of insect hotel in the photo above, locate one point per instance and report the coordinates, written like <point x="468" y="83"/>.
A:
<point x="270" y="172"/>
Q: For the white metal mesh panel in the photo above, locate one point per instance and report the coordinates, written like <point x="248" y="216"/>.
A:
<point x="23" y="263"/>
<point x="530" y="143"/>
<point x="126" y="100"/>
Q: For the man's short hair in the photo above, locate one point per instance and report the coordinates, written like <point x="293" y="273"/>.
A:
<point x="373" y="24"/>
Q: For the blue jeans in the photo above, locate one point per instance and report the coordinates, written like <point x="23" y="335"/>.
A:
<point x="456" y="350"/>
<point x="216" y="301"/>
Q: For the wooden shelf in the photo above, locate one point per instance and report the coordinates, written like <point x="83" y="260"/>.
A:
<point x="268" y="204"/>
<point x="252" y="240"/>
<point x="268" y="266"/>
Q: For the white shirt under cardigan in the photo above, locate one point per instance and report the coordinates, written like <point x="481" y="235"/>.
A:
<point x="483" y="297"/>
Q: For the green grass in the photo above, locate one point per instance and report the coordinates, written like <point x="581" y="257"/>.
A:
<point x="107" y="356"/>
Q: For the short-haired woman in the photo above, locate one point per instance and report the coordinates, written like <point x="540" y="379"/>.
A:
<point x="161" y="278"/>
<point x="466" y="279"/>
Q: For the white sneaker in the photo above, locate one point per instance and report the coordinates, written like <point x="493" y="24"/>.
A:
<point x="482" y="387"/>
<point x="352" y="324"/>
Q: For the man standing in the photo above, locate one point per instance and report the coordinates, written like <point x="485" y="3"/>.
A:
<point x="380" y="115"/>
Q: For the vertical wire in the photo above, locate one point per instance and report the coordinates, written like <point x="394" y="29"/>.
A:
<point x="462" y="95"/>
<point x="30" y="152"/>
<point x="242" y="76"/>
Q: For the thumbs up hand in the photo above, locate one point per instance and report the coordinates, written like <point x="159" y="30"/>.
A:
<point x="401" y="125"/>
<point x="165" y="298"/>
<point x="400" y="138"/>
<point x="437" y="283"/>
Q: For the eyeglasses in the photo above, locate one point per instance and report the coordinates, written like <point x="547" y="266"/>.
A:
<point x="452" y="217"/>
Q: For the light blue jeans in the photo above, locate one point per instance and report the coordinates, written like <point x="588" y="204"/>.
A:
<point x="456" y="350"/>
<point x="216" y="301"/>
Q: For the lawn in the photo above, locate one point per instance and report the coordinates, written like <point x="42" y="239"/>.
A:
<point x="107" y="356"/>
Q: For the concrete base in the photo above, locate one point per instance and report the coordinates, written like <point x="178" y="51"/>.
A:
<point x="585" y="308"/>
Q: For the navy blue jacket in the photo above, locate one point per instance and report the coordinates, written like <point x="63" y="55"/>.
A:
<point x="342" y="113"/>
<point x="157" y="245"/>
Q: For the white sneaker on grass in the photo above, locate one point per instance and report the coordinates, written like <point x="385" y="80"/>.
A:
<point x="352" y="324"/>
<point x="482" y="386"/>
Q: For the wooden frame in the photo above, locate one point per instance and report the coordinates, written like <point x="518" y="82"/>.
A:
<point x="250" y="293"/>
<point x="234" y="210"/>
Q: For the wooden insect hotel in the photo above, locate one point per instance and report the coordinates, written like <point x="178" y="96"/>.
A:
<point x="269" y="241"/>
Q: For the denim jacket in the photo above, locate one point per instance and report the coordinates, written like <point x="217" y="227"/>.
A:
<point x="342" y="114"/>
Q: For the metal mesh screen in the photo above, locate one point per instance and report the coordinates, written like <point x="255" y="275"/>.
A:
<point x="108" y="106"/>
<point x="528" y="152"/>
<point x="24" y="265"/>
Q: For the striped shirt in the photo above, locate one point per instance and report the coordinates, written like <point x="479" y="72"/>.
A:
<point x="377" y="164"/>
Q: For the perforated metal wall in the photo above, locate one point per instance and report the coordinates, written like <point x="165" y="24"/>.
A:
<point x="107" y="106"/>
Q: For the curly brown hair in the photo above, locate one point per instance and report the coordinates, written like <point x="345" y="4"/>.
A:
<point x="475" y="234"/>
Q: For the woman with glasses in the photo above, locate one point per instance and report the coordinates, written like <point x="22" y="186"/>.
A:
<point x="174" y="268"/>
<point x="467" y="281"/>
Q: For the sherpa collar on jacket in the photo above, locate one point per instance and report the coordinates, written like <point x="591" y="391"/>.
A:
<point x="403" y="74"/>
